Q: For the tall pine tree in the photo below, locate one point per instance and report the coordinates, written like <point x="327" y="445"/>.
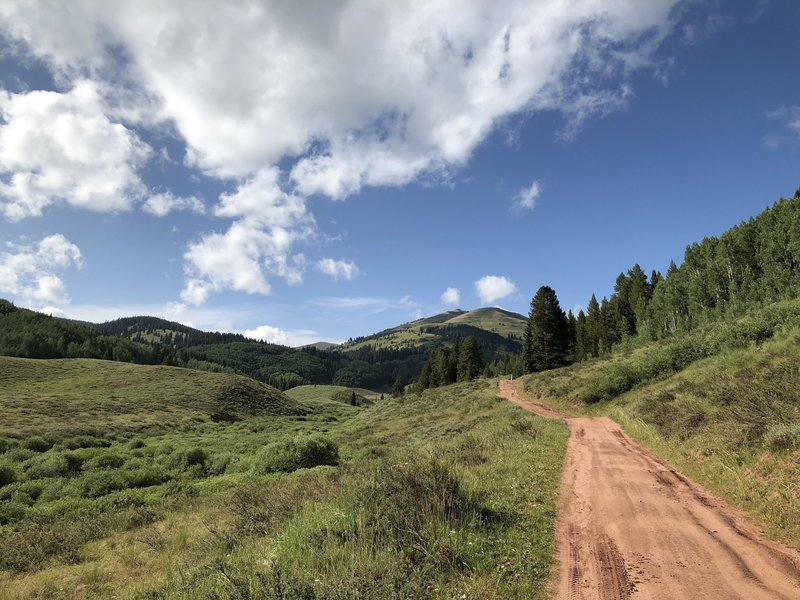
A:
<point x="547" y="333"/>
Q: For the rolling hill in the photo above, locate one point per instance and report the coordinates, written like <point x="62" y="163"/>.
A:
<point x="495" y="328"/>
<point x="71" y="396"/>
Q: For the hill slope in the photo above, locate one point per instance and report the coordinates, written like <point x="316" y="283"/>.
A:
<point x="721" y="403"/>
<point x="495" y="328"/>
<point x="59" y="397"/>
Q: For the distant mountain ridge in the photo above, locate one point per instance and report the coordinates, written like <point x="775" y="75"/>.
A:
<point x="505" y="327"/>
<point x="373" y="362"/>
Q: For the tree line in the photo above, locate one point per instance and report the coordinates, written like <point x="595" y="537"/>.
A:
<point x="751" y="265"/>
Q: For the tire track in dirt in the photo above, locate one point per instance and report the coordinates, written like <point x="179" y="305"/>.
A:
<point x="632" y="526"/>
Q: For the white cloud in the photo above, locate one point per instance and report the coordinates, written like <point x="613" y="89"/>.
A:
<point x="276" y="335"/>
<point x="451" y="297"/>
<point x="526" y="197"/>
<point x="61" y="147"/>
<point x="162" y="204"/>
<point x="29" y="271"/>
<point x="258" y="244"/>
<point x="337" y="268"/>
<point x="227" y="318"/>
<point x="366" y="303"/>
<point x="788" y="115"/>
<point x="246" y="85"/>
<point x="492" y="287"/>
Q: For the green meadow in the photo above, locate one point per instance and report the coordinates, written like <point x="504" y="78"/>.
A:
<point x="153" y="482"/>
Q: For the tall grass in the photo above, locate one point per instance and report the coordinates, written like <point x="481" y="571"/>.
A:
<point x="449" y="493"/>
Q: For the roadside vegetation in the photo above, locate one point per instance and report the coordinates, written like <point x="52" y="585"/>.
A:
<point x="720" y="402"/>
<point x="442" y="494"/>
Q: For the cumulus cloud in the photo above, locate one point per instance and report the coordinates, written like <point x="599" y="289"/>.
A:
<point x="61" y="147"/>
<point x="337" y="268"/>
<point x="249" y="86"/>
<point x="526" y="197"/>
<point x="256" y="245"/>
<point x="235" y="80"/>
<point x="162" y="204"/>
<point x="276" y="335"/>
<point x="451" y="297"/>
<point x="29" y="270"/>
<point x="492" y="287"/>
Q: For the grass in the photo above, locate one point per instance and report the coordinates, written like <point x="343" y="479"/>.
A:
<point x="493" y="319"/>
<point x="58" y="397"/>
<point x="410" y="335"/>
<point x="729" y="419"/>
<point x="320" y="395"/>
<point x="440" y="495"/>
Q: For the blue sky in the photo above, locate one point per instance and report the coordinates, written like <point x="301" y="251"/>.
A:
<point x="326" y="170"/>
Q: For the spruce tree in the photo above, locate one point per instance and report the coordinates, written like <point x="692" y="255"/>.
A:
<point x="470" y="360"/>
<point x="547" y="333"/>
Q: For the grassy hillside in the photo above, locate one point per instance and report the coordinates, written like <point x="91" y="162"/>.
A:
<point x="492" y="326"/>
<point x="722" y="403"/>
<point x="314" y="394"/>
<point x="61" y="397"/>
<point x="448" y="494"/>
<point x="497" y="320"/>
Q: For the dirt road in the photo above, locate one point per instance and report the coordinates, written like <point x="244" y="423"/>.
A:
<point x="631" y="526"/>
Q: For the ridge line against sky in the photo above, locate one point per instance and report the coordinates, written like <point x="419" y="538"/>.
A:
<point x="323" y="170"/>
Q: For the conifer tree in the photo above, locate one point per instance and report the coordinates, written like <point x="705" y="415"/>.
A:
<point x="470" y="360"/>
<point x="547" y="333"/>
<point x="594" y="327"/>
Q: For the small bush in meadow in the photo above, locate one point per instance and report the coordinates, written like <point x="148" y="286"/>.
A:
<point x="783" y="436"/>
<point x="11" y="511"/>
<point x="107" y="460"/>
<point x="36" y="444"/>
<point x="146" y="477"/>
<point x="101" y="483"/>
<point x="6" y="444"/>
<point x="218" y="463"/>
<point x="47" y="465"/>
<point x="85" y="441"/>
<point x="293" y="454"/>
<point x="7" y="475"/>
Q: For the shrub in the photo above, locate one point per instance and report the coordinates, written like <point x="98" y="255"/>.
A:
<point x="218" y="463"/>
<point x="193" y="460"/>
<point x="11" y="512"/>
<point x="47" y="465"/>
<point x="7" y="475"/>
<point x="290" y="455"/>
<point x="107" y="460"/>
<point x="74" y="462"/>
<point x="36" y="444"/>
<point x="146" y="477"/>
<point x="6" y="444"/>
<point x="783" y="436"/>
<point x="176" y="489"/>
<point x="85" y="441"/>
<point x="94" y="485"/>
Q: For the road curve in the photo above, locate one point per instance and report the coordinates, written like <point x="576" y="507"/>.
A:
<point x="631" y="526"/>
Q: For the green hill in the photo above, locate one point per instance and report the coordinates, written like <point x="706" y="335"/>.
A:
<point x="497" y="320"/>
<point x="60" y="397"/>
<point x="497" y="330"/>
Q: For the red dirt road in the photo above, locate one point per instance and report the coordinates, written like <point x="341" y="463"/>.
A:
<point x="631" y="526"/>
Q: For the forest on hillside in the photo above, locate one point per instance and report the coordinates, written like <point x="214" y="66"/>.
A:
<point x="752" y="265"/>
